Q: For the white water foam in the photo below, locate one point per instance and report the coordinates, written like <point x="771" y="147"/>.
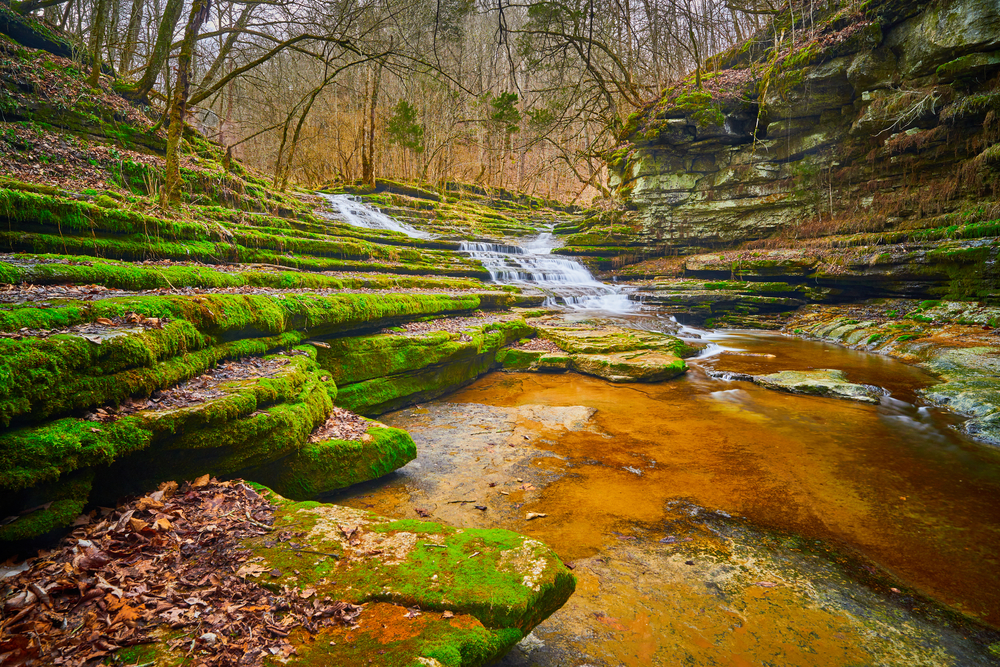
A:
<point x="565" y="281"/>
<point x="355" y="212"/>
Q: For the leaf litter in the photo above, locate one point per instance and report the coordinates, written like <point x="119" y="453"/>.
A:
<point x="197" y="390"/>
<point x="344" y="425"/>
<point x="168" y="567"/>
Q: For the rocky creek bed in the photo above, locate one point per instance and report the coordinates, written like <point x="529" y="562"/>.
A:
<point x="715" y="521"/>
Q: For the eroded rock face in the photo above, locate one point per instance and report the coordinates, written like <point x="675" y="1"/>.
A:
<point x="836" y="124"/>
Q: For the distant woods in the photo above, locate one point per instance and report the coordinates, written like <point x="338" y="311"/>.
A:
<point x="514" y="93"/>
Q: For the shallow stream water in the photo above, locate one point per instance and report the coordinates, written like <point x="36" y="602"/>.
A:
<point x="715" y="522"/>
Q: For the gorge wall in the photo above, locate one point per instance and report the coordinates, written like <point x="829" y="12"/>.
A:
<point x="838" y="118"/>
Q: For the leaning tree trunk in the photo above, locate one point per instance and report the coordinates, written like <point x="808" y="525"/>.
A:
<point x="171" y="193"/>
<point x="164" y="37"/>
<point x="131" y="37"/>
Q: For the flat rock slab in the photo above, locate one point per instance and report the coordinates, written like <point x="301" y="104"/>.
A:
<point x="597" y="338"/>
<point x="822" y="382"/>
<point x="609" y="352"/>
<point x="435" y="595"/>
<point x="636" y="366"/>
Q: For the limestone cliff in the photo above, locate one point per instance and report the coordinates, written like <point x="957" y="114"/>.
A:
<point x="839" y="117"/>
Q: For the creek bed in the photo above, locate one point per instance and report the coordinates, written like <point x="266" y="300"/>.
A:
<point x="716" y="522"/>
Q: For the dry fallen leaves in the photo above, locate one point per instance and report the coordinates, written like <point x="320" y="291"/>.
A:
<point x="168" y="561"/>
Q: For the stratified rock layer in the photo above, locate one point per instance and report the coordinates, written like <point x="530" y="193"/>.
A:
<point x="602" y="350"/>
<point x="863" y="139"/>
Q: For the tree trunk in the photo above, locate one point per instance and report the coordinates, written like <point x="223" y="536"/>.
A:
<point x="298" y="133"/>
<point x="164" y="37"/>
<point x="97" y="42"/>
<point x="368" y="166"/>
<point x="131" y="37"/>
<point x="227" y="46"/>
<point x="171" y="193"/>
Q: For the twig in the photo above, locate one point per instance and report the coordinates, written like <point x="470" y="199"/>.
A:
<point x="257" y="523"/>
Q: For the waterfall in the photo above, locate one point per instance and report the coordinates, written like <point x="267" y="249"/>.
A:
<point x="355" y="212"/>
<point x="565" y="281"/>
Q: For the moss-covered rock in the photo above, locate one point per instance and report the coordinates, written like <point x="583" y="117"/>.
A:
<point x="507" y="582"/>
<point x="635" y="366"/>
<point x="609" y="352"/>
<point x="326" y="465"/>
<point x="388" y="371"/>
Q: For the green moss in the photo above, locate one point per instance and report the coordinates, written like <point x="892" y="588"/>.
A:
<point x="61" y="374"/>
<point x="367" y="357"/>
<point x="382" y="394"/>
<point x="518" y="359"/>
<point x="384" y="372"/>
<point x="450" y="644"/>
<point x="479" y="572"/>
<point x="321" y="467"/>
<point x="55" y="505"/>
<point x="217" y="314"/>
<point x="31" y="456"/>
<point x="62" y="269"/>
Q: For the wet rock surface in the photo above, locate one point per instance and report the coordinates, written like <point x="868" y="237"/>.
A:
<point x="823" y="382"/>
<point x="954" y="340"/>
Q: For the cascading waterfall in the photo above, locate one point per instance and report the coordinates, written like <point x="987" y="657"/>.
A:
<point x="354" y="212"/>
<point x="565" y="281"/>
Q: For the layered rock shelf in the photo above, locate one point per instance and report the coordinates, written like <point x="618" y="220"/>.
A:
<point x="842" y="121"/>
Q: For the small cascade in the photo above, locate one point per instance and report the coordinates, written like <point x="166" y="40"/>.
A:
<point x="355" y="212"/>
<point x="565" y="281"/>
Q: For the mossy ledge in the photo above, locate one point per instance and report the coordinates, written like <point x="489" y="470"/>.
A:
<point x="497" y="585"/>
<point x="60" y="363"/>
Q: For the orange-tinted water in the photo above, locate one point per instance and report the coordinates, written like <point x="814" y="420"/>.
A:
<point x="891" y="481"/>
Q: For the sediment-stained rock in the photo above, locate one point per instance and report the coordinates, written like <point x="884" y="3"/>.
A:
<point x="954" y="340"/>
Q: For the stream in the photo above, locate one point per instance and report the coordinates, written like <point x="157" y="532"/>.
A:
<point x="715" y="522"/>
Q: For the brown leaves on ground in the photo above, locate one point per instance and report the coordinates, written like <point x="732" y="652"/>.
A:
<point x="96" y="331"/>
<point x="343" y="425"/>
<point x="27" y="293"/>
<point x="538" y="345"/>
<point x="196" y="390"/>
<point x="451" y="324"/>
<point x="169" y="561"/>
